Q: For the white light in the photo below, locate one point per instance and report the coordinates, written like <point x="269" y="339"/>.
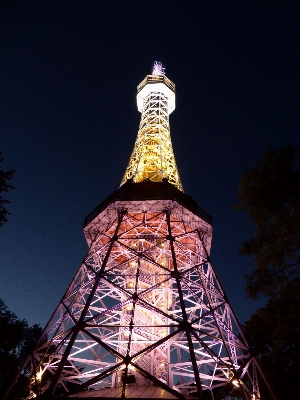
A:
<point x="39" y="374"/>
<point x="158" y="68"/>
<point x="84" y="349"/>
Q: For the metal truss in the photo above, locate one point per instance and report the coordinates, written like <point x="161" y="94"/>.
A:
<point x="153" y="157"/>
<point x="145" y="308"/>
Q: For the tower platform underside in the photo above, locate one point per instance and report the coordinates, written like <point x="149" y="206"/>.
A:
<point x="147" y="191"/>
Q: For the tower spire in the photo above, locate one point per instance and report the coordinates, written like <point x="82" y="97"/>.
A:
<point x="153" y="158"/>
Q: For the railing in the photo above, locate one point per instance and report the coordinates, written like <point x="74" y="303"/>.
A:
<point x="156" y="79"/>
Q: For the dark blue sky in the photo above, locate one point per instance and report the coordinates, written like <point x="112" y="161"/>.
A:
<point x="68" y="121"/>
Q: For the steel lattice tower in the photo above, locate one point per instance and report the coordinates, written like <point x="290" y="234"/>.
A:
<point x="145" y="315"/>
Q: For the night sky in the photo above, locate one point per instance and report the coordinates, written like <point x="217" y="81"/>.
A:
<point x="68" y="122"/>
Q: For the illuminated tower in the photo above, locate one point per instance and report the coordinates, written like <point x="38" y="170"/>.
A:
<point x="152" y="157"/>
<point x="145" y="315"/>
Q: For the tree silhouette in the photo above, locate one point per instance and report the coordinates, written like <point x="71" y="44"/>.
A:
<point x="5" y="176"/>
<point x="16" y="340"/>
<point x="270" y="194"/>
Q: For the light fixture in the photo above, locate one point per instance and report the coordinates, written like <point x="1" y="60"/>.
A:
<point x="236" y="383"/>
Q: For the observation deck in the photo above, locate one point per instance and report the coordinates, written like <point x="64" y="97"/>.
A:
<point x="156" y="83"/>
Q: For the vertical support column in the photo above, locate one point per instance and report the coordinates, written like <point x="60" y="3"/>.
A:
<point x="186" y="324"/>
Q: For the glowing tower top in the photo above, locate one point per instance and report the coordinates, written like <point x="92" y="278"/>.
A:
<point x="153" y="158"/>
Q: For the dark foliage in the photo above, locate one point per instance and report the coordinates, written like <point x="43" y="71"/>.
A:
<point x="273" y="332"/>
<point x="16" y="341"/>
<point x="270" y="194"/>
<point x="4" y="187"/>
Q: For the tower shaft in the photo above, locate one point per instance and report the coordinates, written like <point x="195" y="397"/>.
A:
<point x="153" y="158"/>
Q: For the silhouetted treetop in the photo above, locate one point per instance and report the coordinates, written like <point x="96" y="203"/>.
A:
<point x="270" y="194"/>
<point x="5" y="176"/>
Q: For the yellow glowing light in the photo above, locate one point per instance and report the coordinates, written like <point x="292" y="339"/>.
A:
<point x="153" y="158"/>
<point x="39" y="375"/>
<point x="131" y="367"/>
<point x="130" y="285"/>
<point x="236" y="383"/>
<point x="163" y="261"/>
<point x="126" y="333"/>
